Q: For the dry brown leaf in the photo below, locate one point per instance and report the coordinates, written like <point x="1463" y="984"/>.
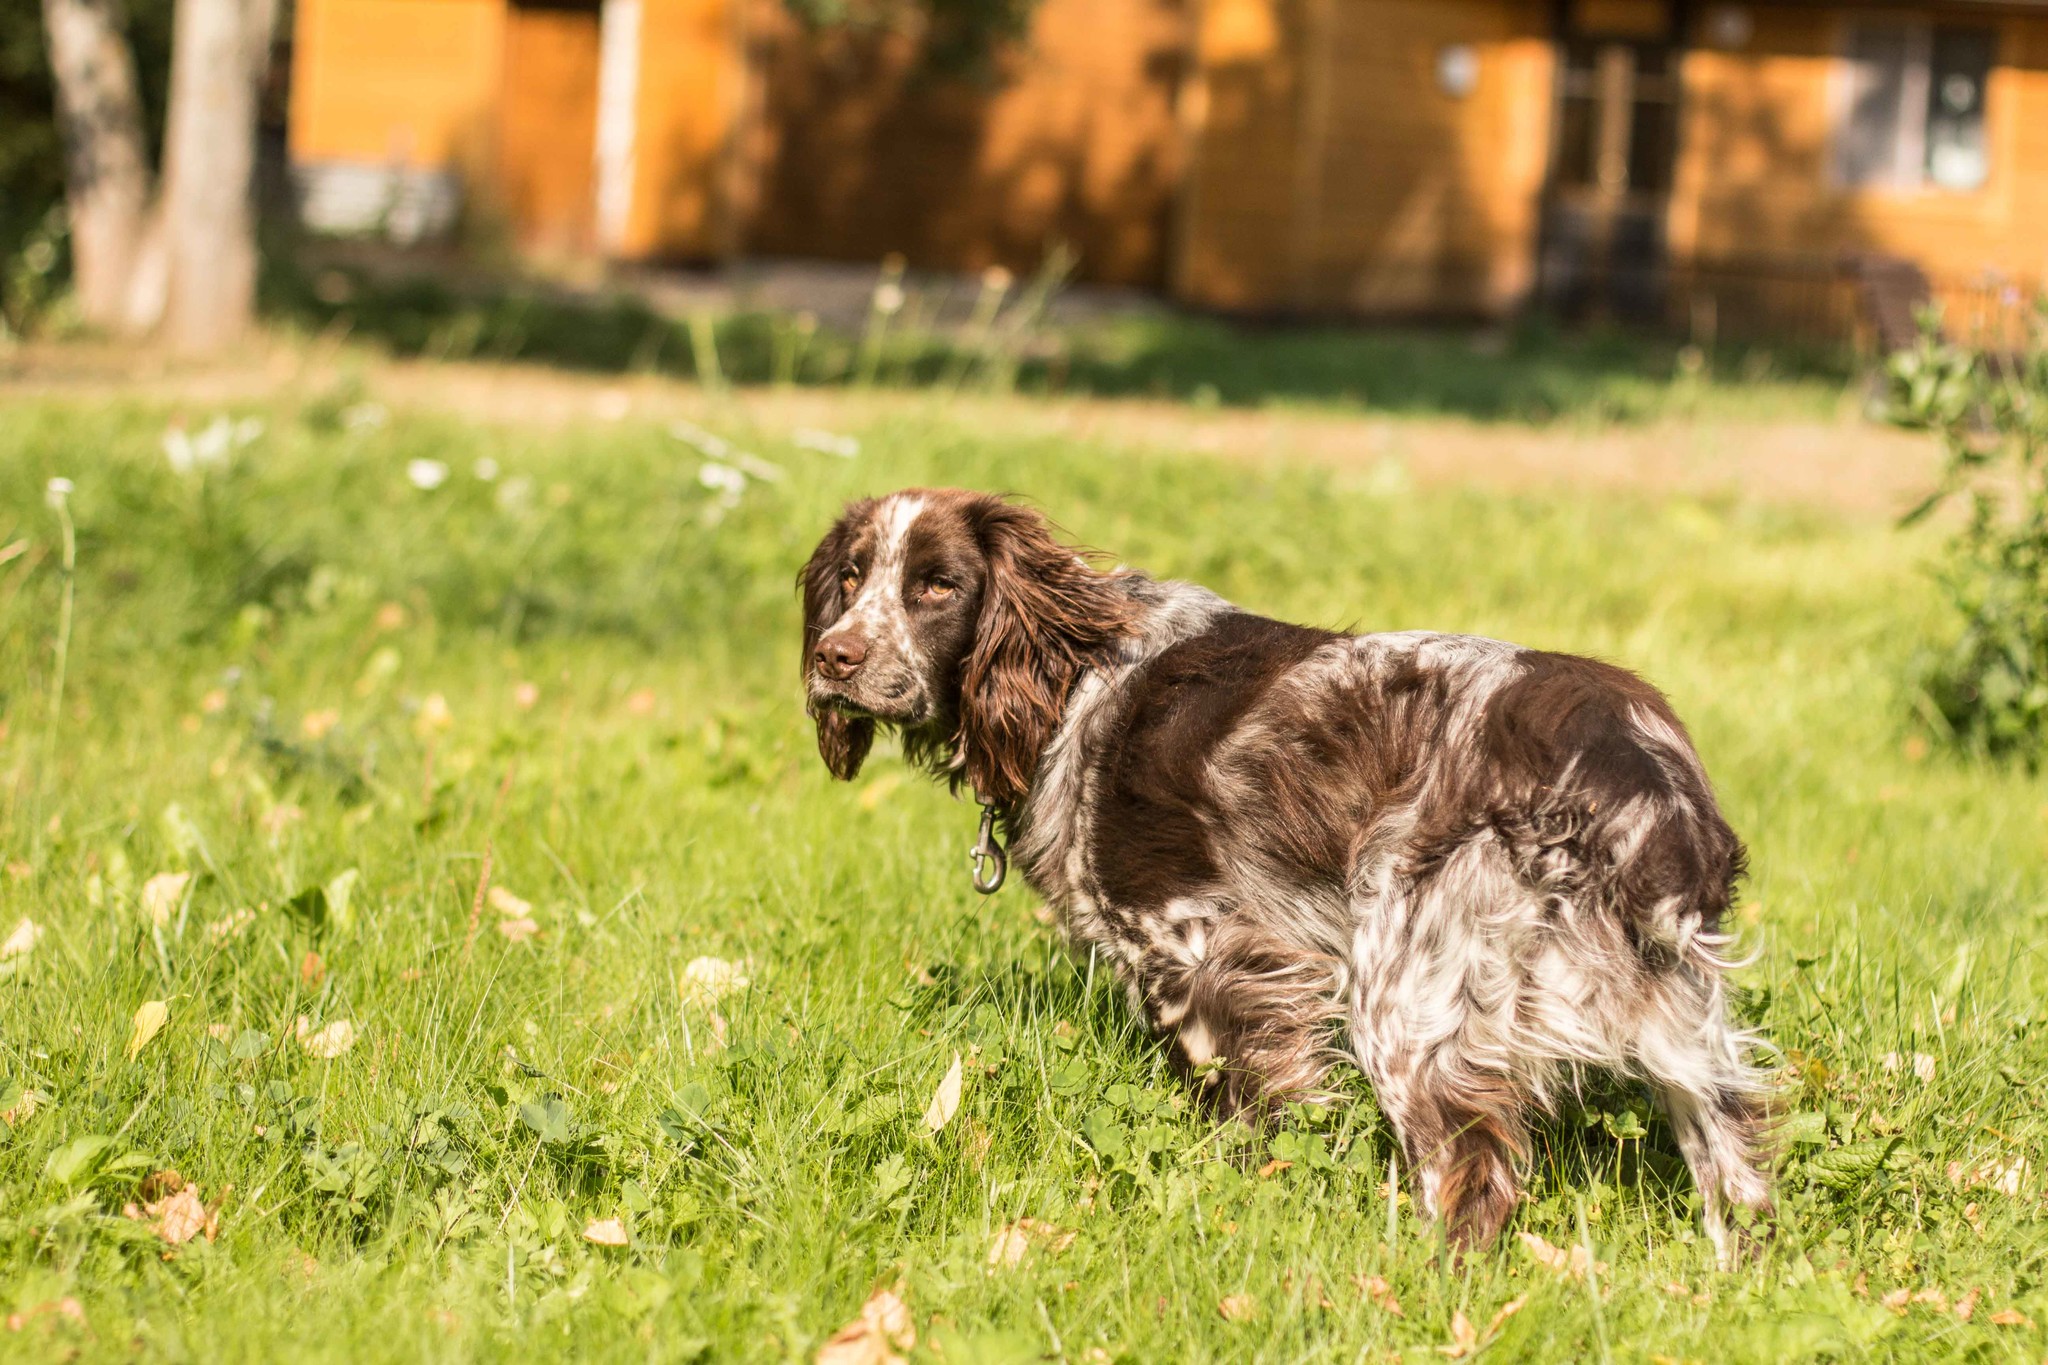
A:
<point x="1273" y="1168"/>
<point x="2011" y="1317"/>
<point x="1238" y="1307"/>
<point x="1464" y="1337"/>
<point x="161" y="894"/>
<point x="518" y="930"/>
<point x="509" y="905"/>
<point x="1380" y="1292"/>
<point x="1571" y="1262"/>
<point x="68" y="1308"/>
<point x="879" y="1336"/>
<point x="178" y="1217"/>
<point x="606" y="1232"/>
<point x="946" y="1099"/>
<point x="312" y="970"/>
<point x="232" y="925"/>
<point x="1010" y="1244"/>
<point x="1897" y="1300"/>
<point x="1966" y="1306"/>
<point x="149" y="1021"/>
<point x="160" y="1183"/>
<point x="1504" y="1312"/>
<point x="1934" y="1298"/>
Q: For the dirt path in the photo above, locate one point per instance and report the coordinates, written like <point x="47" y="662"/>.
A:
<point x="1848" y="464"/>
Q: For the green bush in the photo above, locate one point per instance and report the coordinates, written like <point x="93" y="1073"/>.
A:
<point x="1986" y="687"/>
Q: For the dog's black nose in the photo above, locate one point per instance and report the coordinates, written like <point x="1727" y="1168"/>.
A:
<point x="839" y="657"/>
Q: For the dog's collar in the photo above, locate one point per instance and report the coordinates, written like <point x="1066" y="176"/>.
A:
<point x="988" y="849"/>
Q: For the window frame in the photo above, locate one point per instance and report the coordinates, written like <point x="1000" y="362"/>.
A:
<point x="1908" y="177"/>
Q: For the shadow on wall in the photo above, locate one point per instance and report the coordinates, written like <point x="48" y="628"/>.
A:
<point x="1778" y="229"/>
<point x="867" y="152"/>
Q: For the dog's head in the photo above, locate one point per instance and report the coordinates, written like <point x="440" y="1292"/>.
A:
<point x="957" y="618"/>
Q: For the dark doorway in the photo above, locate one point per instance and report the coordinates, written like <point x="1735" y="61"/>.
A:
<point x="1613" y="140"/>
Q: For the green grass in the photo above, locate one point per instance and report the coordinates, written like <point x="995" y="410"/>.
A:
<point x="1532" y="372"/>
<point x="424" y="1195"/>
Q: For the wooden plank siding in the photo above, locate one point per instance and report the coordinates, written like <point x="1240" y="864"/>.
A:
<point x="546" y="178"/>
<point x="1335" y="175"/>
<point x="1760" y="225"/>
<point x="411" y="83"/>
<point x="862" y="150"/>
<point x="692" y="84"/>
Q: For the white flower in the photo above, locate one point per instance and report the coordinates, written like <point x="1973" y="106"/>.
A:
<point x="485" y="469"/>
<point x="707" y="442"/>
<point x="515" y="494"/>
<point x="426" y="475"/>
<point x="825" y="442"/>
<point x="178" y="450"/>
<point x="721" y="478"/>
<point x="56" y="491"/>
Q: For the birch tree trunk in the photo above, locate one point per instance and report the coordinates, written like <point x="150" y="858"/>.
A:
<point x="209" y="214"/>
<point x="183" y="258"/>
<point x="107" y="180"/>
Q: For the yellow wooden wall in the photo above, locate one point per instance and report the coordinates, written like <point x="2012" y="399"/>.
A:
<point x="692" y="83"/>
<point x="1754" y="189"/>
<point x="863" y="150"/>
<point x="1333" y="174"/>
<point x="411" y="83"/>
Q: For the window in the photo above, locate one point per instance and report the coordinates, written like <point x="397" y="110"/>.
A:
<point x="1914" y="112"/>
<point x="1616" y="124"/>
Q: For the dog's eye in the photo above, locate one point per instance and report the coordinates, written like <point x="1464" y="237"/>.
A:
<point x="849" y="581"/>
<point x="939" y="588"/>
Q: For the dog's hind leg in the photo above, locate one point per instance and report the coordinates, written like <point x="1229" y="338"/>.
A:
<point x="1464" y="1136"/>
<point x="1715" y="1101"/>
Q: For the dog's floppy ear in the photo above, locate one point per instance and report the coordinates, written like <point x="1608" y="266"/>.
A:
<point x="843" y="740"/>
<point x="1045" y="614"/>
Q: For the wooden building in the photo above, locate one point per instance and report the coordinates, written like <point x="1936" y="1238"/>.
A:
<point x="1719" y="166"/>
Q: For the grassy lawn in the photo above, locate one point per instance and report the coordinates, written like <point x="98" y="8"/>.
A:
<point x="338" y="704"/>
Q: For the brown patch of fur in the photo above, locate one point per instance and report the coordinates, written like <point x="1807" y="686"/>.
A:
<point x="843" y="740"/>
<point x="1045" y="616"/>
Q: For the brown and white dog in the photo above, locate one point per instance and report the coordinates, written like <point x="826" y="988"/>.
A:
<point x="1484" y="868"/>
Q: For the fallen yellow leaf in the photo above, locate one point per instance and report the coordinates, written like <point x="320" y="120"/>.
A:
<point x="707" y="980"/>
<point x="879" y="1336"/>
<point x="326" y="1043"/>
<point x="1010" y="1243"/>
<point x="161" y="894"/>
<point x="1238" y="1307"/>
<point x="518" y="930"/>
<point x="149" y="1021"/>
<point x="2011" y="1317"/>
<point x="22" y="941"/>
<point x="606" y="1232"/>
<point x="1464" y="1336"/>
<point x="1380" y="1292"/>
<point x="176" y="1217"/>
<point x="1506" y="1311"/>
<point x="946" y="1099"/>
<point x="509" y="905"/>
<point x="1570" y="1262"/>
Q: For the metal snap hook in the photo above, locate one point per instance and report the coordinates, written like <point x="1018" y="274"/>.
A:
<point x="988" y="849"/>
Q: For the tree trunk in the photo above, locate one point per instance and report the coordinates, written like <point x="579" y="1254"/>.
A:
<point x="106" y="161"/>
<point x="209" y="213"/>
